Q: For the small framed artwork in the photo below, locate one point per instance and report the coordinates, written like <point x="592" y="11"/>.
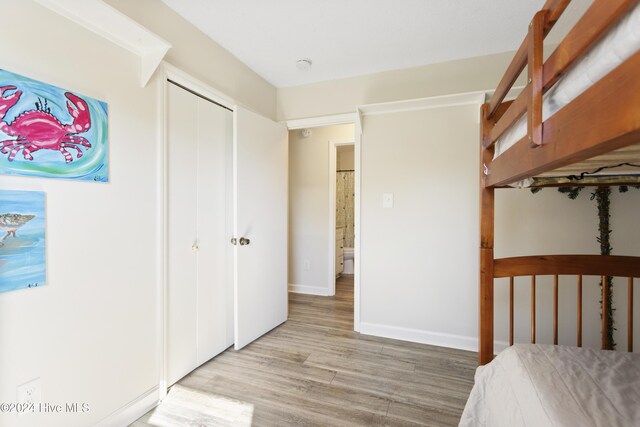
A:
<point x="22" y="240"/>
<point x="50" y="132"/>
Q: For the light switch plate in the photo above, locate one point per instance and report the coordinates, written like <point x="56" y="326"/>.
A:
<point x="387" y="200"/>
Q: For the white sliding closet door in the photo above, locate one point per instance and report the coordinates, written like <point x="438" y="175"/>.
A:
<point x="199" y="309"/>
<point x="260" y="193"/>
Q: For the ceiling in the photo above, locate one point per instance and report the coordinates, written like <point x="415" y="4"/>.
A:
<point x="346" y="38"/>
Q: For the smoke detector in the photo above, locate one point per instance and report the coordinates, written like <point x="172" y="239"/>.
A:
<point x="304" y="64"/>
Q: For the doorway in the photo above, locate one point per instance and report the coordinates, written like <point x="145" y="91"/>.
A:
<point x="342" y="195"/>
<point x="312" y="205"/>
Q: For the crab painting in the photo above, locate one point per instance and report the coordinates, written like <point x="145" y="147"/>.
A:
<point x="38" y="129"/>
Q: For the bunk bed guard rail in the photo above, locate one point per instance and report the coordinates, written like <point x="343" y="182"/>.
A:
<point x="572" y="265"/>
<point x="499" y="116"/>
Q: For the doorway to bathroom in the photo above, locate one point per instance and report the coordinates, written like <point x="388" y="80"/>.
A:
<point x="313" y="175"/>
<point x="342" y="196"/>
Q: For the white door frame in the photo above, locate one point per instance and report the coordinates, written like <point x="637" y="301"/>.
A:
<point x="340" y="119"/>
<point x="170" y="72"/>
<point x="333" y="163"/>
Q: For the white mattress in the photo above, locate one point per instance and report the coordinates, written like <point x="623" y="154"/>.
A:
<point x="545" y="385"/>
<point x="620" y="43"/>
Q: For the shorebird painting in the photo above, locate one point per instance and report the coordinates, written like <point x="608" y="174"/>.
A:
<point x="10" y="222"/>
<point x="23" y="258"/>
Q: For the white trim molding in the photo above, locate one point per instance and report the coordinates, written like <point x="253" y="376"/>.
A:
<point x="419" y="336"/>
<point x="133" y="410"/>
<point x="171" y="72"/>
<point x="314" y="122"/>
<point x="309" y="290"/>
<point x="423" y="103"/>
<point x="104" y="20"/>
<point x="478" y="97"/>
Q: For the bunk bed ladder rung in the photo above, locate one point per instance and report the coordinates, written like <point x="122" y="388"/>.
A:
<point x="555" y="309"/>
<point x="511" y="310"/>
<point x="579" y="310"/>
<point x="533" y="309"/>
<point x="630" y="315"/>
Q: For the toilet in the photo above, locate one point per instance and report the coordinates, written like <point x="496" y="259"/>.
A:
<point x="348" y="261"/>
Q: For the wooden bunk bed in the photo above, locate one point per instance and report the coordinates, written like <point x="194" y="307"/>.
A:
<point x="595" y="129"/>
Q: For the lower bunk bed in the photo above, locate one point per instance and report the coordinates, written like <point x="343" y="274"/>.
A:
<point x="556" y="385"/>
<point x="549" y="385"/>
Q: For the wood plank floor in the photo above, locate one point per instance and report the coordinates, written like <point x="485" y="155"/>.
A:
<point x="315" y="371"/>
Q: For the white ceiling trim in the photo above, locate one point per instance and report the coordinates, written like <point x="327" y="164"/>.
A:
<point x="423" y="103"/>
<point x="440" y="101"/>
<point x="107" y="22"/>
<point x="313" y="122"/>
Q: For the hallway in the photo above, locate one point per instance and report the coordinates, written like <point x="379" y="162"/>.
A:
<point x="314" y="370"/>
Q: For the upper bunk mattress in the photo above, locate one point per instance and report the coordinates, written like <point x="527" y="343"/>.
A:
<point x="619" y="44"/>
<point x="546" y="385"/>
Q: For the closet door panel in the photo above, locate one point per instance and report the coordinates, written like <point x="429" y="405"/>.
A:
<point x="181" y="216"/>
<point x="214" y="231"/>
<point x="260" y="192"/>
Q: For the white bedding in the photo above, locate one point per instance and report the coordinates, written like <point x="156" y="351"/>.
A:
<point x="546" y="385"/>
<point x="620" y="43"/>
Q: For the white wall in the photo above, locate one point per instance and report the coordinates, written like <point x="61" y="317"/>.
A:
<point x="419" y="271"/>
<point x="345" y="157"/>
<point x="198" y="55"/>
<point x="90" y="334"/>
<point x="343" y="95"/>
<point x="309" y="207"/>
<point x="419" y="267"/>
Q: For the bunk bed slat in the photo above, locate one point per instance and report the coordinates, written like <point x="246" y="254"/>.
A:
<point x="597" y="20"/>
<point x="511" y="310"/>
<point x="555" y="309"/>
<point x="630" y="315"/>
<point x="533" y="309"/>
<point x="605" y="344"/>
<point x="579" y="310"/>
<point x="535" y="83"/>
<point x="554" y="9"/>
<point x="602" y="119"/>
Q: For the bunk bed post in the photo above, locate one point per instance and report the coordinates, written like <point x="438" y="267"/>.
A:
<point x="485" y="353"/>
<point x="535" y="84"/>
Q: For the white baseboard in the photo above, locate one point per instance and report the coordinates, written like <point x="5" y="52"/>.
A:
<point x="311" y="290"/>
<point x="420" y="336"/>
<point x="425" y="337"/>
<point x="132" y="410"/>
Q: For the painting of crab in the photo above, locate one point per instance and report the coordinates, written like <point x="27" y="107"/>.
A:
<point x="38" y="129"/>
<point x="51" y="132"/>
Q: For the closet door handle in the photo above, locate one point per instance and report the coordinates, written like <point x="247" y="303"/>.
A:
<point x="234" y="241"/>
<point x="244" y="242"/>
<point x="195" y="247"/>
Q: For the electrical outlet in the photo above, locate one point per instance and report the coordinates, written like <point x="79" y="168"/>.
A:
<point x="307" y="265"/>
<point x="30" y="393"/>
